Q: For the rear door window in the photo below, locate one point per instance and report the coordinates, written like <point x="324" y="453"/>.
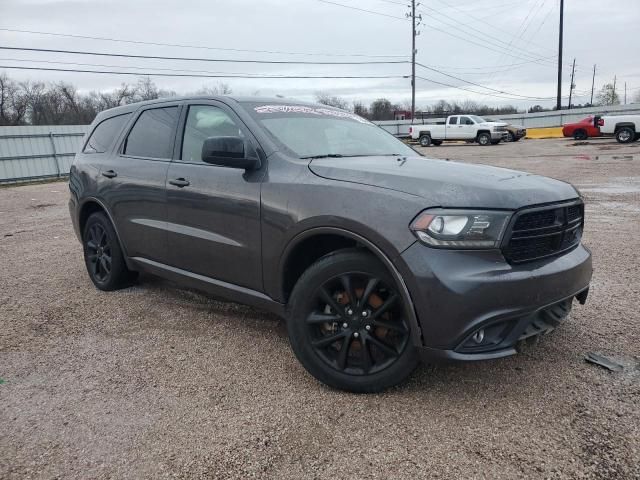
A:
<point x="105" y="133"/>
<point x="153" y="134"/>
<point x="453" y="121"/>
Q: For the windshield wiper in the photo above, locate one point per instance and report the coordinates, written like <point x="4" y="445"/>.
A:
<point x="326" y="155"/>
<point x="339" y="155"/>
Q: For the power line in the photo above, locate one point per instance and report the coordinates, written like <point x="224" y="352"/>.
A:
<point x="361" y="9"/>
<point x="483" y="35"/>
<point x="541" y="59"/>
<point x="179" y="45"/>
<point x="473" y="91"/>
<point x="219" y="60"/>
<point x="484" y="22"/>
<point x="479" y="85"/>
<point x="31" y="60"/>
<point x="143" y="74"/>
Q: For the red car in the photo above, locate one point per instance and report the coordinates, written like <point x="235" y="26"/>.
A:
<point x="581" y="130"/>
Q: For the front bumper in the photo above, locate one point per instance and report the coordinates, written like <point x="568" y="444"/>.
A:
<point x="459" y="293"/>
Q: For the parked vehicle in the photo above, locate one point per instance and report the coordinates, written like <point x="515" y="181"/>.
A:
<point x="375" y="255"/>
<point x="626" y="128"/>
<point x="513" y="132"/>
<point x="459" y="127"/>
<point x="581" y="130"/>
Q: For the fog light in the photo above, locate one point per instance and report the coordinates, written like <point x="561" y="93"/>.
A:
<point x="478" y="337"/>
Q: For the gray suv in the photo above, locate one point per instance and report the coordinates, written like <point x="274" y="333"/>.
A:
<point x="376" y="256"/>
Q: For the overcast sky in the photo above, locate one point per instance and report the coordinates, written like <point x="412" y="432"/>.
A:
<point x="510" y="46"/>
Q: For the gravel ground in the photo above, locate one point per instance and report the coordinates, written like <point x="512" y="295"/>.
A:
<point x="155" y="381"/>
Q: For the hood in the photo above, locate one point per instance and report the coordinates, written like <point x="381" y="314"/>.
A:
<point x="444" y="183"/>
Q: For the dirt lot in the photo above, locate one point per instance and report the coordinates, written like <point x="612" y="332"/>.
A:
<point x="154" y="381"/>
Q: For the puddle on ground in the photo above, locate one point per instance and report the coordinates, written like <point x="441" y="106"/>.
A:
<point x="604" y="157"/>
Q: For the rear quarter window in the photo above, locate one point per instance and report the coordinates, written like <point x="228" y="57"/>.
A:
<point x="105" y="133"/>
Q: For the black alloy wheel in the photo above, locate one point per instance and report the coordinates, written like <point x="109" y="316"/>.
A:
<point x="98" y="253"/>
<point x="348" y="323"/>
<point x="103" y="255"/>
<point x="357" y="326"/>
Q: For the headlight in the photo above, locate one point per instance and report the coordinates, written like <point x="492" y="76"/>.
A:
<point x="444" y="228"/>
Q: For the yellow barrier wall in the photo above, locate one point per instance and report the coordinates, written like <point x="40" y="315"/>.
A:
<point x="550" y="132"/>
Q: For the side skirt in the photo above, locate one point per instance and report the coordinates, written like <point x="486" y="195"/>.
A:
<point x="218" y="288"/>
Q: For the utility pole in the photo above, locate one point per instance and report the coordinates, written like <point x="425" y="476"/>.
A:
<point x="573" y="85"/>
<point x="559" y="101"/>
<point x="613" y="96"/>
<point x="414" y="34"/>
<point x="625" y="93"/>
<point x="593" y="83"/>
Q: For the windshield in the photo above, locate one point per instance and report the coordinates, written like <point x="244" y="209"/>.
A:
<point x="315" y="131"/>
<point x="477" y="119"/>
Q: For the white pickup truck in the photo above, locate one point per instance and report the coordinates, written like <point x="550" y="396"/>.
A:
<point x="626" y="128"/>
<point x="459" y="127"/>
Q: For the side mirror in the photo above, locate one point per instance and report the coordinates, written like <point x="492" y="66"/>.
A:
<point x="229" y="152"/>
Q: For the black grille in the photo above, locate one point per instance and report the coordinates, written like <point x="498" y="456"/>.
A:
<point x="544" y="232"/>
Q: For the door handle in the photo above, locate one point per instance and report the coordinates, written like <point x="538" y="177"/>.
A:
<point x="180" y="182"/>
<point x="109" y="174"/>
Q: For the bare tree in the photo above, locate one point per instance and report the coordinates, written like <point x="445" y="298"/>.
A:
<point x="361" y="109"/>
<point x="325" y="98"/>
<point x="608" y="96"/>
<point x="13" y="105"/>
<point x="382" y="109"/>
<point x="220" y="89"/>
<point x="145" y="89"/>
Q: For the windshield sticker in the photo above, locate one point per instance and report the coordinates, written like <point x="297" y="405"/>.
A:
<point x="310" y="110"/>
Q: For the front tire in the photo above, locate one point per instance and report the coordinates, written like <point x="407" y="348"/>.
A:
<point x="348" y="326"/>
<point x="103" y="256"/>
<point x="580" y="135"/>
<point x="484" y="139"/>
<point x="425" y="140"/>
<point x="625" y="135"/>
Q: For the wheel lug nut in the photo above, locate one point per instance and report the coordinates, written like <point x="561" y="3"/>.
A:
<point x="364" y="313"/>
<point x="345" y="325"/>
<point x="367" y="328"/>
<point x="356" y="334"/>
<point x="349" y="311"/>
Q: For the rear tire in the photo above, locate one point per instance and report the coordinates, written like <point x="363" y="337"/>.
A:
<point x="348" y="325"/>
<point x="625" y="135"/>
<point x="580" y="135"/>
<point x="425" y="140"/>
<point x="103" y="256"/>
<point x="484" y="139"/>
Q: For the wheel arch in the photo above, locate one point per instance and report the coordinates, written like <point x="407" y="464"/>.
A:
<point x="624" y="124"/>
<point x="92" y="205"/>
<point x="290" y="270"/>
